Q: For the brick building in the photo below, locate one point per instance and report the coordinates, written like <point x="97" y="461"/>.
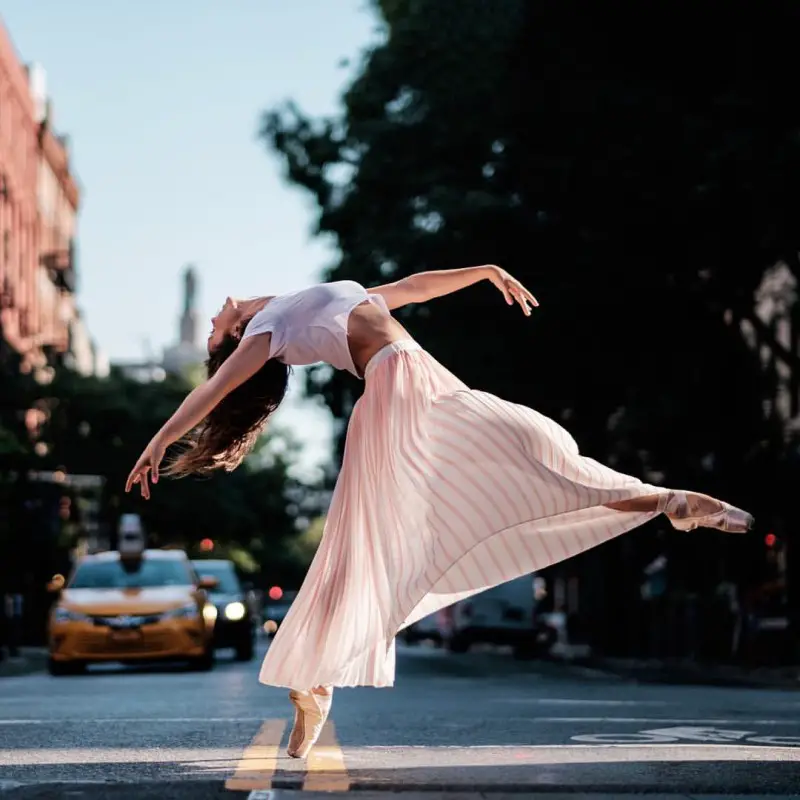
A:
<point x="39" y="200"/>
<point x="20" y="308"/>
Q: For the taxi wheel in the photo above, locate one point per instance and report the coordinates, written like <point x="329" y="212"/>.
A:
<point x="59" y="668"/>
<point x="205" y="662"/>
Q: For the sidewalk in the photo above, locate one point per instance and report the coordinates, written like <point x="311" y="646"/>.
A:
<point x="29" y="660"/>
<point x="686" y="672"/>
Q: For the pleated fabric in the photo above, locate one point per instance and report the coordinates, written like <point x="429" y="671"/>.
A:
<point x="443" y="492"/>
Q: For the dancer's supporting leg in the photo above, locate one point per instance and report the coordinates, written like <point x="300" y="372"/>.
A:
<point x="311" y="711"/>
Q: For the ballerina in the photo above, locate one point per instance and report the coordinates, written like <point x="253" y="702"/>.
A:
<point x="444" y="491"/>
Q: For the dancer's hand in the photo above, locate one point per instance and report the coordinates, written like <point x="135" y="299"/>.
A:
<point x="148" y="461"/>
<point x="513" y="290"/>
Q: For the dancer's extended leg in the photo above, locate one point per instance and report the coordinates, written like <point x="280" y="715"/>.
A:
<point x="689" y="510"/>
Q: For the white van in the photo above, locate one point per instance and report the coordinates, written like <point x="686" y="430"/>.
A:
<point x="502" y="615"/>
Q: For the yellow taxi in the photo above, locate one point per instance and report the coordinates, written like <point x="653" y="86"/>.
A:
<point x="130" y="608"/>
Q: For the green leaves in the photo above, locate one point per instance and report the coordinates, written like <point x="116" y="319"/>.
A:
<point x="99" y="427"/>
<point x="636" y="169"/>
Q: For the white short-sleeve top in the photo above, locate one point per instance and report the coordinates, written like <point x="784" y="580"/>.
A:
<point x="310" y="326"/>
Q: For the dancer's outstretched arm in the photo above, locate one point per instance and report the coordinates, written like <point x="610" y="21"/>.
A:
<point x="426" y="286"/>
<point x="246" y="360"/>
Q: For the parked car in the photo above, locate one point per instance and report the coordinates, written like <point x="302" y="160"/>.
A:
<point x="503" y="615"/>
<point x="235" y="624"/>
<point x="424" y="630"/>
<point x="131" y="607"/>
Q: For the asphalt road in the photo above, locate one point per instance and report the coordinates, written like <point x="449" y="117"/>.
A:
<point x="473" y="723"/>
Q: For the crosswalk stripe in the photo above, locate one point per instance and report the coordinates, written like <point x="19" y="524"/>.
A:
<point x="259" y="761"/>
<point x="326" y="768"/>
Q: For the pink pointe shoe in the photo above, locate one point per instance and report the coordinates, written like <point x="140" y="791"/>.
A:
<point x="310" y="714"/>
<point x="687" y="511"/>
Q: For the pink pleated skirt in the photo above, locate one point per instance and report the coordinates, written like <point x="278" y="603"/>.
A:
<point x="443" y="492"/>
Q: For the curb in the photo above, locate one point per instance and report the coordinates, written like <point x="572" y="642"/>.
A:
<point x="29" y="662"/>
<point x="696" y="674"/>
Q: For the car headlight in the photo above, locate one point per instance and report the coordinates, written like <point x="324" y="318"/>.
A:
<point x="65" y="615"/>
<point x="209" y="612"/>
<point x="188" y="611"/>
<point x="235" y="611"/>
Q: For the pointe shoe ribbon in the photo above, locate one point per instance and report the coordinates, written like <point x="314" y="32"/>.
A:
<point x="310" y="715"/>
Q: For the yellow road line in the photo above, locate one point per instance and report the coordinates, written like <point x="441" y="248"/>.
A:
<point x="326" y="769"/>
<point x="259" y="761"/>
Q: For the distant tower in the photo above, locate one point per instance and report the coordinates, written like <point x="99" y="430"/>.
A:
<point x="186" y="356"/>
<point x="188" y="330"/>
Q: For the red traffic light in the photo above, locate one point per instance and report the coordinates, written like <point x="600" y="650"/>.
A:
<point x="770" y="539"/>
<point x="206" y="545"/>
<point x="275" y="593"/>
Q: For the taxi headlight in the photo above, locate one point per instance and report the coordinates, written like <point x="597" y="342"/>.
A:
<point x="209" y="612"/>
<point x="65" y="615"/>
<point x="188" y="611"/>
<point x="235" y="611"/>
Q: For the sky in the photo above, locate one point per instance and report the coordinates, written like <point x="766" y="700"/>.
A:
<point x="162" y="110"/>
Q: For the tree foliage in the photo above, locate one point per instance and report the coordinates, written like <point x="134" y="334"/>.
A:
<point x="98" y="427"/>
<point x="635" y="166"/>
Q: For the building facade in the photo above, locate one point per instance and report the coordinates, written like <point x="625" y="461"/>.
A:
<point x="39" y="202"/>
<point x="57" y="200"/>
<point x="20" y="308"/>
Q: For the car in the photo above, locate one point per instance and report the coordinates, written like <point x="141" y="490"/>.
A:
<point x="502" y="615"/>
<point x="277" y="607"/>
<point x="235" y="623"/>
<point x="130" y="607"/>
<point x="425" y="629"/>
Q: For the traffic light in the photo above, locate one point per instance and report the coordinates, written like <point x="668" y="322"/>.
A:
<point x="770" y="539"/>
<point x="207" y="545"/>
<point x="275" y="593"/>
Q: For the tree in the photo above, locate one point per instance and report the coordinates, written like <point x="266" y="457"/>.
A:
<point x="641" y="185"/>
<point x="99" y="427"/>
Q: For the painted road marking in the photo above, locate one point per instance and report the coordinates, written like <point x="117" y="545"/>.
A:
<point x="128" y="720"/>
<point x="565" y="701"/>
<point x="326" y="768"/>
<point x="655" y="720"/>
<point x="692" y="734"/>
<point x="251" y="720"/>
<point x="260" y="760"/>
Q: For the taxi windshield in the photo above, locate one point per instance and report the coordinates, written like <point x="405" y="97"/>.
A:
<point x="135" y="575"/>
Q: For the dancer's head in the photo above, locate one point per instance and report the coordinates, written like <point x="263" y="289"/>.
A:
<point x="229" y="432"/>
<point x="228" y="321"/>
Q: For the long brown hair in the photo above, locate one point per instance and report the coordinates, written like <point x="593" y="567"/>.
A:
<point x="229" y="432"/>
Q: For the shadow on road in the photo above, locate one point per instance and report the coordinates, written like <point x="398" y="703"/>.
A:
<point x="146" y="668"/>
<point x="186" y="779"/>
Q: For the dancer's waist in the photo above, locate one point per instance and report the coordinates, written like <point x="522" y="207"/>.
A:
<point x="389" y="350"/>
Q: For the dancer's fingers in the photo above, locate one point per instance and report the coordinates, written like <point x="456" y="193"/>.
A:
<point x="527" y="294"/>
<point x="521" y="299"/>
